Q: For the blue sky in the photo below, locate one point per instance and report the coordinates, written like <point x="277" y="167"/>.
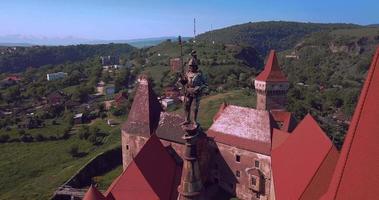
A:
<point x="129" y="19"/>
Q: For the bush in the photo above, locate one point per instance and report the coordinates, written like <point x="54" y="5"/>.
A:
<point x="26" y="138"/>
<point x="74" y="150"/>
<point x="84" y="132"/>
<point x="40" y="137"/>
<point x="4" y="138"/>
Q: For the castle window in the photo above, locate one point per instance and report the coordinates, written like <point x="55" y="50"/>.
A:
<point x="238" y="158"/>
<point x="253" y="181"/>
<point x="256" y="163"/>
<point x="127" y="147"/>
<point x="238" y="173"/>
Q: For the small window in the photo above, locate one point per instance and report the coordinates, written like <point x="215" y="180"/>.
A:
<point x="238" y="174"/>
<point x="127" y="147"/>
<point x="253" y="180"/>
<point x="256" y="163"/>
<point x="238" y="158"/>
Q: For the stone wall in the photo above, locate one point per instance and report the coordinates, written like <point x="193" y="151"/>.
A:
<point x="100" y="164"/>
<point x="223" y="171"/>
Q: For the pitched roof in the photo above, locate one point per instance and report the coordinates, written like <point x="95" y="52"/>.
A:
<point x="272" y="71"/>
<point x="307" y="157"/>
<point x="288" y="122"/>
<point x="169" y="127"/>
<point x="144" y="115"/>
<point x="278" y="137"/>
<point x="93" y="194"/>
<point x="151" y="175"/>
<point x="357" y="175"/>
<point x="245" y="128"/>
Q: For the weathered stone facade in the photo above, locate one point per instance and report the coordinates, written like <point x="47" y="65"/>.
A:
<point x="131" y="145"/>
<point x="233" y="169"/>
<point x="271" y="95"/>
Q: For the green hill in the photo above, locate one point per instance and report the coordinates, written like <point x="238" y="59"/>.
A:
<point x="16" y="59"/>
<point x="263" y="36"/>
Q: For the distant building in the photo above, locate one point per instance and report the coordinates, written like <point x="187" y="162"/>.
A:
<point x="176" y="64"/>
<point x="78" y="118"/>
<point x="105" y="89"/>
<point x="109" y="60"/>
<point x="167" y="102"/>
<point x="56" y="76"/>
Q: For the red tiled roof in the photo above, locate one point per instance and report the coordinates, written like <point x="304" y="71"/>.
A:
<point x="245" y="128"/>
<point x="93" y="194"/>
<point x="278" y="137"/>
<point x="272" y="71"/>
<point x="151" y="175"/>
<point x="357" y="174"/>
<point x="285" y="118"/>
<point x="307" y="157"/>
<point x="144" y="114"/>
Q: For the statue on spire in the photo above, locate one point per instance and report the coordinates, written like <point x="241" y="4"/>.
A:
<point x="194" y="85"/>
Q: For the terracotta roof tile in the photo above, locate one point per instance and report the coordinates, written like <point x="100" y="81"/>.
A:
<point x="285" y="118"/>
<point x="151" y="175"/>
<point x="278" y="137"/>
<point x="93" y="194"/>
<point x="307" y="157"/>
<point x="272" y="71"/>
<point x="357" y="174"/>
<point x="243" y="127"/>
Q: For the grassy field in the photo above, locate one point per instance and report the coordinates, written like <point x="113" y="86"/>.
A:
<point x="105" y="180"/>
<point x="35" y="170"/>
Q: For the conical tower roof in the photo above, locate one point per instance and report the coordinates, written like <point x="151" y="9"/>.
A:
<point x="93" y="194"/>
<point x="144" y="115"/>
<point x="272" y="71"/>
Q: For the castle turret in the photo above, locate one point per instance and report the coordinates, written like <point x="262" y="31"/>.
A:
<point x="191" y="186"/>
<point x="271" y="86"/>
<point x="142" y="121"/>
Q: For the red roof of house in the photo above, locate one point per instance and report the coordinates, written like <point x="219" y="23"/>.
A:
<point x="357" y="174"/>
<point x="285" y="118"/>
<point x="242" y="127"/>
<point x="278" y="137"/>
<point x="307" y="157"/>
<point x="144" y="114"/>
<point x="93" y="194"/>
<point x="120" y="97"/>
<point x="13" y="78"/>
<point x="151" y="175"/>
<point x="272" y="71"/>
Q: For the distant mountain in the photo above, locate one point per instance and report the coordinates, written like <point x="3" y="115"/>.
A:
<point x="25" y="40"/>
<point x="15" y="45"/>
<point x="263" y="36"/>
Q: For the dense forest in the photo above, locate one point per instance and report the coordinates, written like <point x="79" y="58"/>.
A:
<point x="263" y="36"/>
<point x="17" y="59"/>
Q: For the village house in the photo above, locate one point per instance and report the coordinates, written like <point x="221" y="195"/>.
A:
<point x="55" y="76"/>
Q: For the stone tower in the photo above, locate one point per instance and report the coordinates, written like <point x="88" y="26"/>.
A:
<point x="191" y="186"/>
<point x="271" y="86"/>
<point x="142" y="121"/>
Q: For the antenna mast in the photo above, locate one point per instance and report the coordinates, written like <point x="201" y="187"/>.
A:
<point x="194" y="30"/>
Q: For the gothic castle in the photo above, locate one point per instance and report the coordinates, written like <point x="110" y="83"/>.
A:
<point x="249" y="153"/>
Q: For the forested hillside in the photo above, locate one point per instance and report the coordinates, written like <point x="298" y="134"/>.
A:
<point x="17" y="59"/>
<point x="263" y="36"/>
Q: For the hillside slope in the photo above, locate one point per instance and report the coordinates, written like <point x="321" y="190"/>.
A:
<point x="264" y="36"/>
<point x="16" y="59"/>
